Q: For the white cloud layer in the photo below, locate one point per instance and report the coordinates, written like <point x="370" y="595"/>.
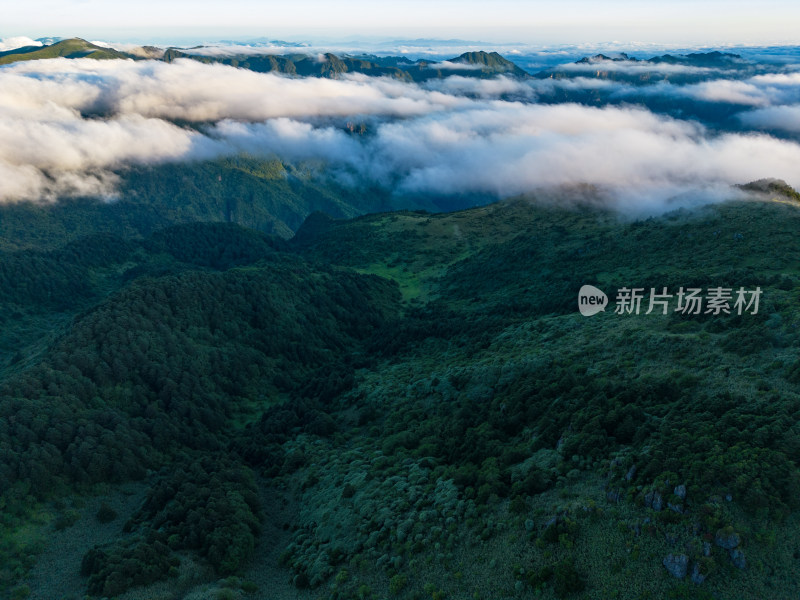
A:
<point x="12" y="43"/>
<point x="65" y="126"/>
<point x="782" y="118"/>
<point x="636" y="68"/>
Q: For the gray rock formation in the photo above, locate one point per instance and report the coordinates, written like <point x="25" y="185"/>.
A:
<point x="680" y="492"/>
<point x="696" y="576"/>
<point x="677" y="565"/>
<point x="737" y="557"/>
<point x="727" y="539"/>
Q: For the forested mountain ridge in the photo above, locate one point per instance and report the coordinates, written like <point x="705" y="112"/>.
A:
<point x="689" y="68"/>
<point x="267" y="195"/>
<point x="421" y="379"/>
<point x="303" y="65"/>
<point x="185" y="343"/>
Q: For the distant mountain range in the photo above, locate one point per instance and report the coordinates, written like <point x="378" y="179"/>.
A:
<point x="477" y="64"/>
<point x="469" y="64"/>
<point x="696" y="59"/>
<point x="677" y="69"/>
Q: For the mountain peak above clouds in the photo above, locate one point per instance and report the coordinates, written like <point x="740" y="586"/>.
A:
<point x="490" y="61"/>
<point x="713" y="59"/>
<point x="69" y="48"/>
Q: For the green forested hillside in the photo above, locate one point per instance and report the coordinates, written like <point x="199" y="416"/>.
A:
<point x="182" y="343"/>
<point x="573" y="425"/>
<point x="409" y="405"/>
<point x="266" y="195"/>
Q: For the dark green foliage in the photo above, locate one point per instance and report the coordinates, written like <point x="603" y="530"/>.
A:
<point x="65" y="519"/>
<point x="208" y="340"/>
<point x="517" y="506"/>
<point x="105" y="514"/>
<point x="435" y="321"/>
<point x="134" y="562"/>
<point x="212" y="506"/>
<point x="203" y="324"/>
<point x="535" y="482"/>
<point x="397" y="584"/>
<point x="209" y="506"/>
<point x="567" y="580"/>
<point x="172" y="358"/>
<point x="57" y="280"/>
<point x="793" y="372"/>
<point x="560" y="529"/>
<point x="216" y="245"/>
<point x="538" y="577"/>
<point x="563" y="576"/>
<point x="689" y="591"/>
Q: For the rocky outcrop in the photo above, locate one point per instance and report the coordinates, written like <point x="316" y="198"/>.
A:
<point x="653" y="499"/>
<point x="737" y="557"/>
<point x="677" y="565"/>
<point x="727" y="538"/>
<point x="697" y="577"/>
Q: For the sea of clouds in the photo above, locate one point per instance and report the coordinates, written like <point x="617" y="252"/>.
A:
<point x="70" y="127"/>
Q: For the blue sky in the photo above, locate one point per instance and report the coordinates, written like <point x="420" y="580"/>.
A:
<point x="699" y="22"/>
